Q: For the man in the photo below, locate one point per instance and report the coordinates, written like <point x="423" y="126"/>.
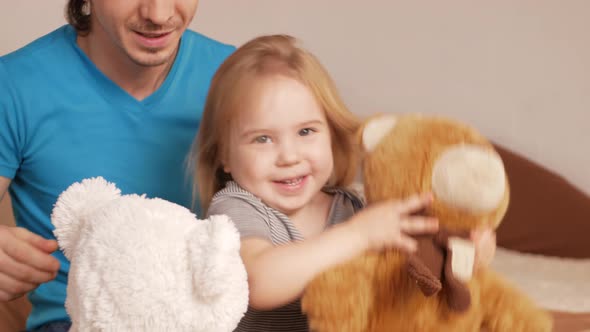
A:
<point x="116" y="93"/>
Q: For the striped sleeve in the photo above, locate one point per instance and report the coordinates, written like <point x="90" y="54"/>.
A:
<point x="250" y="221"/>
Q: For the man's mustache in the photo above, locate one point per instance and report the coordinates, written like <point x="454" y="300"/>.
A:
<point x="151" y="27"/>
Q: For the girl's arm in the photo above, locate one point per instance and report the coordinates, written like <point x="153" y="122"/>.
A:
<point x="277" y="275"/>
<point x="485" y="246"/>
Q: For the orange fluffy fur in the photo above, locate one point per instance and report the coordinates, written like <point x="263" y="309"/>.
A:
<point x="373" y="292"/>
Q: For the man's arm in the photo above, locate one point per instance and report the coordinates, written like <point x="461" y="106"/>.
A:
<point x="25" y="258"/>
<point x="4" y="183"/>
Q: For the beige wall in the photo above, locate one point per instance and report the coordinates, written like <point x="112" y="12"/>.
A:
<point x="518" y="70"/>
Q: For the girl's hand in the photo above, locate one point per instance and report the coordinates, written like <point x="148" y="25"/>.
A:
<point x="388" y="224"/>
<point x="484" y="239"/>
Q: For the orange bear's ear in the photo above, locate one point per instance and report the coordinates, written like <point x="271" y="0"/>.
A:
<point x="375" y="129"/>
<point x="469" y="177"/>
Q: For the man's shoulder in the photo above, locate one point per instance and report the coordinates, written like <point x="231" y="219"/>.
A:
<point x="213" y="47"/>
<point x="38" y="51"/>
<point x="32" y="64"/>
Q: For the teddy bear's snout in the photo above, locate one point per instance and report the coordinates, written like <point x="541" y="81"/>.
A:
<point x="469" y="177"/>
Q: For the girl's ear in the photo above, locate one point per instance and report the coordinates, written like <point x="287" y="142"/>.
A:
<point x="223" y="163"/>
<point x="223" y="152"/>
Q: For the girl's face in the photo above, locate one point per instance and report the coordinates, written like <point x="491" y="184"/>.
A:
<point x="279" y="146"/>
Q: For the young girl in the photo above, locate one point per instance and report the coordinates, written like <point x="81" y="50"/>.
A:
<point x="275" y="150"/>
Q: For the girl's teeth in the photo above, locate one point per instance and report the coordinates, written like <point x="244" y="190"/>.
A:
<point x="292" y="182"/>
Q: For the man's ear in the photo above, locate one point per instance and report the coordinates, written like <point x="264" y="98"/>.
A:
<point x="375" y="129"/>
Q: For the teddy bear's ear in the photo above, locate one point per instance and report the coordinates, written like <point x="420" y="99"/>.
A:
<point x="375" y="129"/>
<point x="469" y="177"/>
<point x="214" y="250"/>
<point x="74" y="204"/>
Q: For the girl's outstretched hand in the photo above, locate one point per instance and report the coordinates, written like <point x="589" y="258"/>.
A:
<point x="388" y="224"/>
<point x="484" y="240"/>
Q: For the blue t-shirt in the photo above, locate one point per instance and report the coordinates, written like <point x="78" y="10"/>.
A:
<point x="62" y="120"/>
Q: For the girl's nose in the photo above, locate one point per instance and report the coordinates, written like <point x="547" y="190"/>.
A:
<point x="288" y="154"/>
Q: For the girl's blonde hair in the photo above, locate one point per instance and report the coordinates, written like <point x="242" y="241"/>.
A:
<point x="266" y="55"/>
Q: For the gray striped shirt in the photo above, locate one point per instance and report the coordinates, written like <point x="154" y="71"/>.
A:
<point x="253" y="218"/>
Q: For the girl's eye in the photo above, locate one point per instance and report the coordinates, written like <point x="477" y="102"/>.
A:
<point x="306" y="131"/>
<point x="262" y="139"/>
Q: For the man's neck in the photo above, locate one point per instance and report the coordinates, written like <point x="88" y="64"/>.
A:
<point x="137" y="80"/>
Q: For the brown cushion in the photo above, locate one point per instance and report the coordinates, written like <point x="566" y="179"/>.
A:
<point x="547" y="214"/>
<point x="570" y="322"/>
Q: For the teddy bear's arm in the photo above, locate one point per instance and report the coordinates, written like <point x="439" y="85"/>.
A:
<point x="507" y="309"/>
<point x="339" y="300"/>
<point x="425" y="265"/>
<point x="428" y="283"/>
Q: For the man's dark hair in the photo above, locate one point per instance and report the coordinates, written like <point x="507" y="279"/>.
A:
<point x="76" y="16"/>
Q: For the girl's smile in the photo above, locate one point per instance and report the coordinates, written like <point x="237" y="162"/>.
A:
<point x="291" y="186"/>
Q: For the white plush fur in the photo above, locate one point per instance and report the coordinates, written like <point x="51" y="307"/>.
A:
<point x="140" y="264"/>
<point x="554" y="283"/>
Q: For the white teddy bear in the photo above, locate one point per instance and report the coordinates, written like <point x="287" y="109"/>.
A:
<point x="140" y="264"/>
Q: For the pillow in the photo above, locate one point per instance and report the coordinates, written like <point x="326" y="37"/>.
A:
<point x="547" y="215"/>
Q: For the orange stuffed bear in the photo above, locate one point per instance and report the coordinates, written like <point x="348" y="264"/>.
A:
<point x="436" y="288"/>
